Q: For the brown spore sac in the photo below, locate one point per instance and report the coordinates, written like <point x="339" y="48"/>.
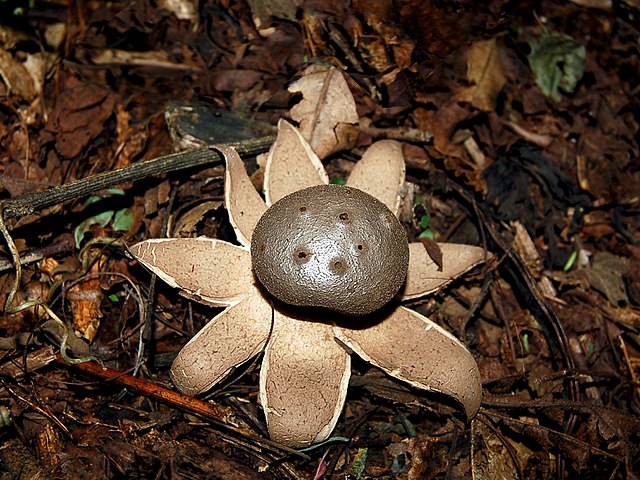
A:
<point x="333" y="247"/>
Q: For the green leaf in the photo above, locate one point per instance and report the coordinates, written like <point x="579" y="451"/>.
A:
<point x="571" y="261"/>
<point x="337" y="181"/>
<point x="359" y="463"/>
<point x="123" y="220"/>
<point x="425" y="220"/>
<point x="557" y="61"/>
<point x="114" y="298"/>
<point x="427" y="234"/>
<point x="101" y="219"/>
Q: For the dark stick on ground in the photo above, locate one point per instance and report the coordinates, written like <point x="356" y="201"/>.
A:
<point x="36" y="201"/>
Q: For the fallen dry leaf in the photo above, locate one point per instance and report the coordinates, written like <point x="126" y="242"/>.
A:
<point x="79" y="115"/>
<point x="16" y="77"/>
<point x="186" y="224"/>
<point x="604" y="275"/>
<point x="85" y="298"/>
<point x="486" y="72"/>
<point x="327" y="112"/>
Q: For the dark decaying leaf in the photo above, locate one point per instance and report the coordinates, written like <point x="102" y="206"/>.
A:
<point x="557" y="61"/>
<point x="433" y="250"/>
<point x="604" y="274"/>
<point x="192" y="124"/>
<point x="78" y="116"/>
<point x="527" y="186"/>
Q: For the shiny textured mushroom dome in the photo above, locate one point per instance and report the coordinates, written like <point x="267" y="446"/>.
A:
<point x="331" y="246"/>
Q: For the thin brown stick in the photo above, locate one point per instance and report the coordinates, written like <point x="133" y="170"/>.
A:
<point x="531" y="430"/>
<point x="209" y="411"/>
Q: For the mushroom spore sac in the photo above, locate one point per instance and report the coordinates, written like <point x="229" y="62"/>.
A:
<point x="331" y="246"/>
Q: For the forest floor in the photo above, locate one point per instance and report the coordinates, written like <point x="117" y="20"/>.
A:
<point x="519" y="123"/>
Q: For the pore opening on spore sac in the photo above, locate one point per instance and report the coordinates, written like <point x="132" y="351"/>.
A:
<point x="301" y="255"/>
<point x="337" y="266"/>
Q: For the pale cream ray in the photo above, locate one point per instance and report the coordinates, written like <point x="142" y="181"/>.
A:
<point x="291" y="165"/>
<point x="231" y="338"/>
<point x="424" y="277"/>
<point x="414" y="349"/>
<point x="243" y="202"/>
<point x="380" y="172"/>
<point x="205" y="269"/>
<point x="303" y="382"/>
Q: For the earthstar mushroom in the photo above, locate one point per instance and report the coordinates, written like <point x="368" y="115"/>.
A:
<point x="305" y="371"/>
<point x="331" y="246"/>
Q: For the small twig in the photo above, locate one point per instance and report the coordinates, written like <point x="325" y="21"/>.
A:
<point x="508" y="403"/>
<point x="8" y="304"/>
<point x="40" y="409"/>
<point x="414" y="135"/>
<point x="478" y="302"/>
<point x="27" y="259"/>
<point x="625" y="353"/>
<point x="33" y="202"/>
<point x="32" y="361"/>
<point x="504" y="318"/>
